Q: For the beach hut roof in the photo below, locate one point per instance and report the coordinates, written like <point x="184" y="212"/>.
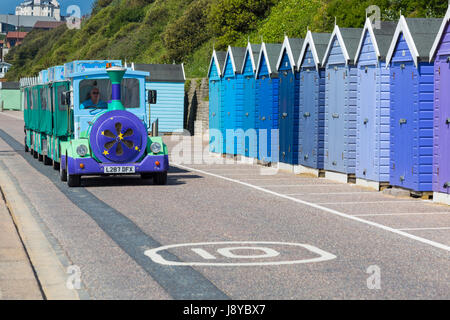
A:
<point x="419" y="33"/>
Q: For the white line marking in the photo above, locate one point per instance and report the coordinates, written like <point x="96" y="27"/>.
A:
<point x="156" y="257"/>
<point x="327" y="193"/>
<point x="203" y="253"/>
<point x="412" y="229"/>
<point x="11" y="116"/>
<point x="335" y="212"/>
<point x="300" y="185"/>
<point x="369" y="202"/>
<point x="400" y="214"/>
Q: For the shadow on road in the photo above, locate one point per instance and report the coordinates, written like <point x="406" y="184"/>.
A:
<point x="175" y="177"/>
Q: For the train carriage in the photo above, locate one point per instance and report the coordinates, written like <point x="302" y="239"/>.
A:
<point x="65" y="127"/>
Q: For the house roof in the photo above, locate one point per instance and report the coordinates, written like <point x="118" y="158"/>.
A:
<point x="16" y="35"/>
<point x="162" y="72"/>
<point x="293" y="47"/>
<point x="271" y="53"/>
<point x="48" y="24"/>
<point x="419" y="33"/>
<point x="348" y="39"/>
<point x="318" y="43"/>
<point x="254" y="51"/>
<point x="381" y="37"/>
<point x="218" y="57"/>
<point x="23" y="21"/>
<point x="10" y="85"/>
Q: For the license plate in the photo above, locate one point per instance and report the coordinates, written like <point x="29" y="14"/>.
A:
<point x="119" y="169"/>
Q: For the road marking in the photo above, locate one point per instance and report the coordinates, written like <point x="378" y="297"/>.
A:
<point x="332" y="211"/>
<point x="203" y="253"/>
<point x="300" y="185"/>
<point x="399" y="214"/>
<point x="369" y="202"/>
<point x="328" y="193"/>
<point x="413" y="229"/>
<point x="226" y="252"/>
<point x="268" y="252"/>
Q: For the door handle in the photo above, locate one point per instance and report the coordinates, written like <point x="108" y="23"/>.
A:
<point x="335" y="115"/>
<point x="366" y="120"/>
<point x="213" y="114"/>
<point x="447" y="121"/>
<point x="307" y="114"/>
<point x="246" y="114"/>
<point x="285" y="115"/>
<point x="263" y="118"/>
<point x="402" y="121"/>
<point x="447" y="185"/>
<point x="402" y="178"/>
<point x="334" y="163"/>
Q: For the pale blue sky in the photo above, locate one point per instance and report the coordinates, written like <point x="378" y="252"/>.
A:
<point x="9" y="6"/>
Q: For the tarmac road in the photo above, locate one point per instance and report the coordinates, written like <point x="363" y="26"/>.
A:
<point x="244" y="235"/>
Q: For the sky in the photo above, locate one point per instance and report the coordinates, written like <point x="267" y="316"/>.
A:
<point x="9" y="6"/>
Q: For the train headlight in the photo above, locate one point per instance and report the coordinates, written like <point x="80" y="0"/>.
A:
<point x="155" y="147"/>
<point x="82" y="150"/>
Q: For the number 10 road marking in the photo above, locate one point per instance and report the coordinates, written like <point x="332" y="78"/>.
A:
<point x="228" y="250"/>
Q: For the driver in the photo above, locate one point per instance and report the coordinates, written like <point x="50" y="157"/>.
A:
<point x="94" y="101"/>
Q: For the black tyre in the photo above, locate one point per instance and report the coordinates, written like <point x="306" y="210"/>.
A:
<point x="40" y="157"/>
<point x="62" y="173"/>
<point x="73" y="180"/>
<point x="146" y="175"/>
<point x="47" y="161"/>
<point x="160" y="178"/>
<point x="55" y="165"/>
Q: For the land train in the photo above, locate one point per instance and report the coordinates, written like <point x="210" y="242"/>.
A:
<point x="64" y="128"/>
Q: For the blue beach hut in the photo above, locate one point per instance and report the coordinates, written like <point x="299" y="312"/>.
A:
<point x="250" y="142"/>
<point x="168" y="81"/>
<point x="312" y="103"/>
<point x="373" y="105"/>
<point x="412" y="88"/>
<point x="289" y="100"/>
<point x="233" y="100"/>
<point x="440" y="53"/>
<point x="340" y="103"/>
<point x="215" y="101"/>
<point x="267" y="87"/>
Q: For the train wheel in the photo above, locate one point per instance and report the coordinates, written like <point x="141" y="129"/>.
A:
<point x="55" y="165"/>
<point x="73" y="180"/>
<point x="47" y="161"/>
<point x="62" y="173"/>
<point x="160" y="178"/>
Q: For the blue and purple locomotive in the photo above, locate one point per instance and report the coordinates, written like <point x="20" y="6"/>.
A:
<point x="90" y="118"/>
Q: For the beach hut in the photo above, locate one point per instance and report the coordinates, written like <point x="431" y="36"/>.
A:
<point x="250" y="142"/>
<point x="440" y="53"/>
<point x="373" y="105"/>
<point x="233" y="100"/>
<point x="340" y="103"/>
<point x="215" y="91"/>
<point x="10" y="95"/>
<point x="288" y="100"/>
<point x="412" y="86"/>
<point x="168" y="81"/>
<point x="267" y="87"/>
<point x="312" y="103"/>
